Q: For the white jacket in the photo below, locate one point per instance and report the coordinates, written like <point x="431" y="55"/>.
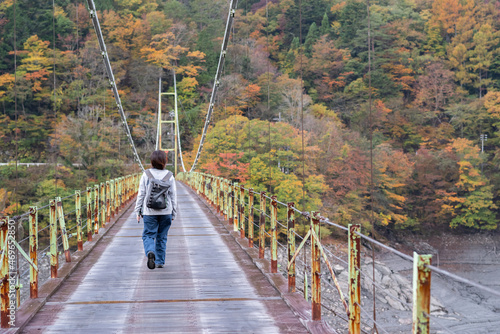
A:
<point x="140" y="204"/>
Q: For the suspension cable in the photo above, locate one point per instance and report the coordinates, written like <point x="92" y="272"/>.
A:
<point x="112" y="83"/>
<point x="268" y="97"/>
<point x="15" y="105"/>
<point x="56" y="156"/>
<point x="222" y="58"/>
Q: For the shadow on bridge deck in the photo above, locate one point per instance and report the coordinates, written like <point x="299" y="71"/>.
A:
<point x="209" y="284"/>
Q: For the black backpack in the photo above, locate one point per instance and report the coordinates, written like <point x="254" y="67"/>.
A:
<point x="156" y="191"/>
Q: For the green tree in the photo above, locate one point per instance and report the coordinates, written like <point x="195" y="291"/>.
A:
<point x="325" y="25"/>
<point x="481" y="57"/>
<point x="311" y="38"/>
<point x="473" y="204"/>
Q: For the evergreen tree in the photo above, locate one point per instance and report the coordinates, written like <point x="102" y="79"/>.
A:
<point x="311" y="38"/>
<point x="325" y="26"/>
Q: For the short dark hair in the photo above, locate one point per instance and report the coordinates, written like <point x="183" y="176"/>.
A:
<point x="158" y="159"/>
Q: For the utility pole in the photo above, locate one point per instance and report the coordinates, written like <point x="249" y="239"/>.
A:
<point x="483" y="137"/>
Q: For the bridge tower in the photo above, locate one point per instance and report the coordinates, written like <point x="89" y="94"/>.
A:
<point x="172" y="129"/>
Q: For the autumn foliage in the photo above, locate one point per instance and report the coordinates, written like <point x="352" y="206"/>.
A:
<point x="395" y="141"/>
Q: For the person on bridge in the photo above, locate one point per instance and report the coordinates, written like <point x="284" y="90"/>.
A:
<point x="157" y="222"/>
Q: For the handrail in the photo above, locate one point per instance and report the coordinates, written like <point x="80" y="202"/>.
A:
<point x="230" y="200"/>
<point x="113" y="195"/>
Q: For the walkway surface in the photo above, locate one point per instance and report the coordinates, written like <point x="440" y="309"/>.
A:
<point x="209" y="284"/>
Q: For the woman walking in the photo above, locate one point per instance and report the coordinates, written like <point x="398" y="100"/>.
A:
<point x="157" y="221"/>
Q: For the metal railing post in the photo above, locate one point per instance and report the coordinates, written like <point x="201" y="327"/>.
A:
<point x="242" y="212"/>
<point x="112" y="197"/>
<point x="213" y="191"/>
<point x="250" y="218"/>
<point x="127" y="188"/>
<point x="102" y="204"/>
<point x="54" y="262"/>
<point x="274" y="234"/>
<point x="315" y="268"/>
<point x="89" y="214"/>
<point x="262" y="225"/>
<point x="117" y="195"/>
<point x="421" y="293"/>
<point x="225" y="188"/>
<point x="78" y="214"/>
<point x="236" y="208"/>
<point x="108" y="197"/>
<point x="4" y="275"/>
<point x="96" y="209"/>
<point x="62" y="226"/>
<point x="218" y="195"/>
<point x="33" y="220"/>
<point x="120" y="194"/>
<point x="230" y="203"/>
<point x="354" y="279"/>
<point x="291" y="245"/>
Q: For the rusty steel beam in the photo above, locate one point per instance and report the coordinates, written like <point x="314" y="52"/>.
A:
<point x="274" y="234"/>
<point x="62" y="226"/>
<point x="102" y="204"/>
<point x="421" y="293"/>
<point x="354" y="279"/>
<point x="78" y="214"/>
<point x="262" y="225"/>
<point x="250" y="218"/>
<point x="242" y="212"/>
<point x="89" y="214"/>
<point x="96" y="209"/>
<point x="33" y="221"/>
<point x="315" y="267"/>
<point x="4" y="273"/>
<point x="54" y="262"/>
<point x="291" y="246"/>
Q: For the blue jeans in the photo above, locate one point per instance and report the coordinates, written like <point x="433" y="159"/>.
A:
<point x="154" y="235"/>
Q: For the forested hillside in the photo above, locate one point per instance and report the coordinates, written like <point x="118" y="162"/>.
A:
<point x="415" y="107"/>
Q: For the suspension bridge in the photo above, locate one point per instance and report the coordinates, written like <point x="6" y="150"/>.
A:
<point x="236" y="261"/>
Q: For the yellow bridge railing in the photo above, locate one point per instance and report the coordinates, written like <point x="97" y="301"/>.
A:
<point x="18" y="256"/>
<point x="238" y="205"/>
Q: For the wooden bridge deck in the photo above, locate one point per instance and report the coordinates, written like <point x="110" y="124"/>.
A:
<point x="209" y="284"/>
